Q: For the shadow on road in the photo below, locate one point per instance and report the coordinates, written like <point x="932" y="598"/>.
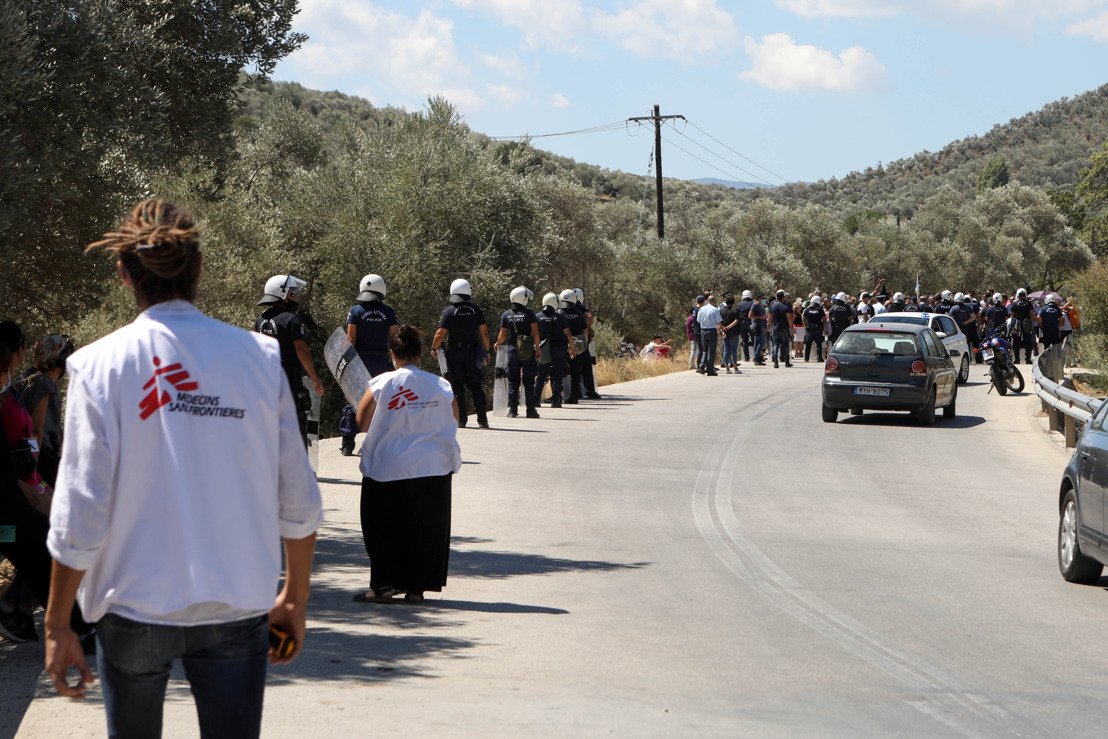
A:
<point x="876" y="418"/>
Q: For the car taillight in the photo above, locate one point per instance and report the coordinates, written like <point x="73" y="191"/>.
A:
<point x="918" y="367"/>
<point x="832" y="365"/>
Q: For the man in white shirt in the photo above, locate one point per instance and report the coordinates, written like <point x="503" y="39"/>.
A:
<point x="711" y="325"/>
<point x="183" y="469"/>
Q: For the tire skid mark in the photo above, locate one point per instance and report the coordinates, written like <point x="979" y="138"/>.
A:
<point x="941" y="696"/>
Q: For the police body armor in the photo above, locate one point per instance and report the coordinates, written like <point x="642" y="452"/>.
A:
<point x="523" y="341"/>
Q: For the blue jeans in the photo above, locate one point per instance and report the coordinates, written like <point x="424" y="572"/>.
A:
<point x="730" y="351"/>
<point x="759" y="343"/>
<point x="694" y="352"/>
<point x="225" y="665"/>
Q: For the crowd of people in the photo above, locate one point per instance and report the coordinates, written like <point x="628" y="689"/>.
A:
<point x="781" y="328"/>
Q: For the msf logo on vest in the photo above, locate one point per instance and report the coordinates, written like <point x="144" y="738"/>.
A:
<point x="175" y="375"/>
<point x="401" y="399"/>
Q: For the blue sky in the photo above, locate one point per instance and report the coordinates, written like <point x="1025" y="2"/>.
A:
<point x="786" y="90"/>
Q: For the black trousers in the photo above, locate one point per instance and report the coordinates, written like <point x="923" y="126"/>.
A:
<point x="464" y="373"/>
<point x="526" y="369"/>
<point x="554" y="370"/>
<point x="406" y="529"/>
<point x="813" y="336"/>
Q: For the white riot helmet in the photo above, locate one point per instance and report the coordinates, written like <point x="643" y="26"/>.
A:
<point x="1051" y="299"/>
<point x="550" y="299"/>
<point x="959" y="297"/>
<point x="747" y="295"/>
<point x="372" y="288"/>
<point x="580" y="295"/>
<point x="567" y="298"/>
<point x="815" y="300"/>
<point x="841" y="296"/>
<point x="280" y="288"/>
<point x="521" y="295"/>
<point x="998" y="298"/>
<point x="947" y="295"/>
<point x="898" y="297"/>
<point x="1021" y="293"/>
<point x="460" y="291"/>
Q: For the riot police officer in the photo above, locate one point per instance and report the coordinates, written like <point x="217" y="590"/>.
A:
<point x="814" y="315"/>
<point x="912" y="305"/>
<point x="964" y="315"/>
<point x="369" y="324"/>
<point x="839" y="316"/>
<point x="1050" y="318"/>
<point x="578" y="329"/>
<point x="781" y="320"/>
<point x="946" y="302"/>
<point x="463" y="328"/>
<point x="281" y="322"/>
<point x="1023" y="333"/>
<point x="897" y="305"/>
<point x="520" y="331"/>
<point x="555" y="339"/>
<point x="757" y="316"/>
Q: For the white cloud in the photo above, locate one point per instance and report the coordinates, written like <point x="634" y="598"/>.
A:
<point x="779" y="63"/>
<point x="543" y="22"/>
<point x="559" y="100"/>
<point x="671" y="28"/>
<point x="1005" y="14"/>
<point x="506" y="95"/>
<point x="393" y="53"/>
<point x="506" y="64"/>
<point x="1095" y="28"/>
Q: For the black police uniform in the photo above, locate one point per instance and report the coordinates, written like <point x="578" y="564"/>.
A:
<point x="966" y="319"/>
<point x="840" y="316"/>
<point x="555" y="350"/>
<point x="372" y="321"/>
<point x="758" y="330"/>
<point x="521" y="356"/>
<point x="813" y="330"/>
<point x="912" y="308"/>
<point x="780" y="311"/>
<point x="1023" y="336"/>
<point x="996" y="315"/>
<point x="744" y="307"/>
<point x="698" y="341"/>
<point x="577" y="325"/>
<point x="897" y="306"/>
<point x="1051" y="316"/>
<point x="464" y="355"/>
<point x="284" y="325"/>
<point x="944" y="306"/>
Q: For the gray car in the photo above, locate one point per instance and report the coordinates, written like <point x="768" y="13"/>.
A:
<point x="1082" y="529"/>
<point x="895" y="367"/>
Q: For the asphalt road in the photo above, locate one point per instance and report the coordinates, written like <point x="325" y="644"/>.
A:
<point x="698" y="556"/>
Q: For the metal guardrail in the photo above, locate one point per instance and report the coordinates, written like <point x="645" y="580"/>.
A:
<point x="1065" y="407"/>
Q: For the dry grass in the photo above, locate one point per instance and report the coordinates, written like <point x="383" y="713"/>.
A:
<point x="611" y="371"/>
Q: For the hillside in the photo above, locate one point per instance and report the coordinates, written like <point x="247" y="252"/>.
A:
<point x="1045" y="148"/>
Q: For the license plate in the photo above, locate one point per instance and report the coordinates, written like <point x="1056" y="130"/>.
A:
<point x="882" y="392"/>
<point x="987" y="354"/>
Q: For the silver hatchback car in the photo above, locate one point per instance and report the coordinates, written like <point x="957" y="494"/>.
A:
<point x="1082" y="528"/>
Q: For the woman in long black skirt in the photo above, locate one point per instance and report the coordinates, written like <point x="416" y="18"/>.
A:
<point x="409" y="456"/>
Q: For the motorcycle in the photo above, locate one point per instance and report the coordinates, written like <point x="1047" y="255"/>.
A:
<point x="997" y="353"/>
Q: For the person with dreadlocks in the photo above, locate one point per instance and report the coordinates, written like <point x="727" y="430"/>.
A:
<point x="183" y="469"/>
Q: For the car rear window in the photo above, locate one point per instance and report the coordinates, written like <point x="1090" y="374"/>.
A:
<point x="918" y="320"/>
<point x="878" y="342"/>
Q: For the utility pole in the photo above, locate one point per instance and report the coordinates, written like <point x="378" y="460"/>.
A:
<point x="657" y="118"/>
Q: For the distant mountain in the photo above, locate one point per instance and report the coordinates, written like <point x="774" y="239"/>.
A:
<point x="734" y="184"/>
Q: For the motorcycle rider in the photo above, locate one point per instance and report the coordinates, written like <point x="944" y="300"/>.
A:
<point x="520" y="330"/>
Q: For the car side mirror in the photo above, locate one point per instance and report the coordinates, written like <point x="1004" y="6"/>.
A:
<point x="941" y="334"/>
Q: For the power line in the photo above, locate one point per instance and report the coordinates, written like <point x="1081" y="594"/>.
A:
<point x="617" y="125"/>
<point x="694" y="156"/>
<point x="725" y="146"/>
<point x="724" y="159"/>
